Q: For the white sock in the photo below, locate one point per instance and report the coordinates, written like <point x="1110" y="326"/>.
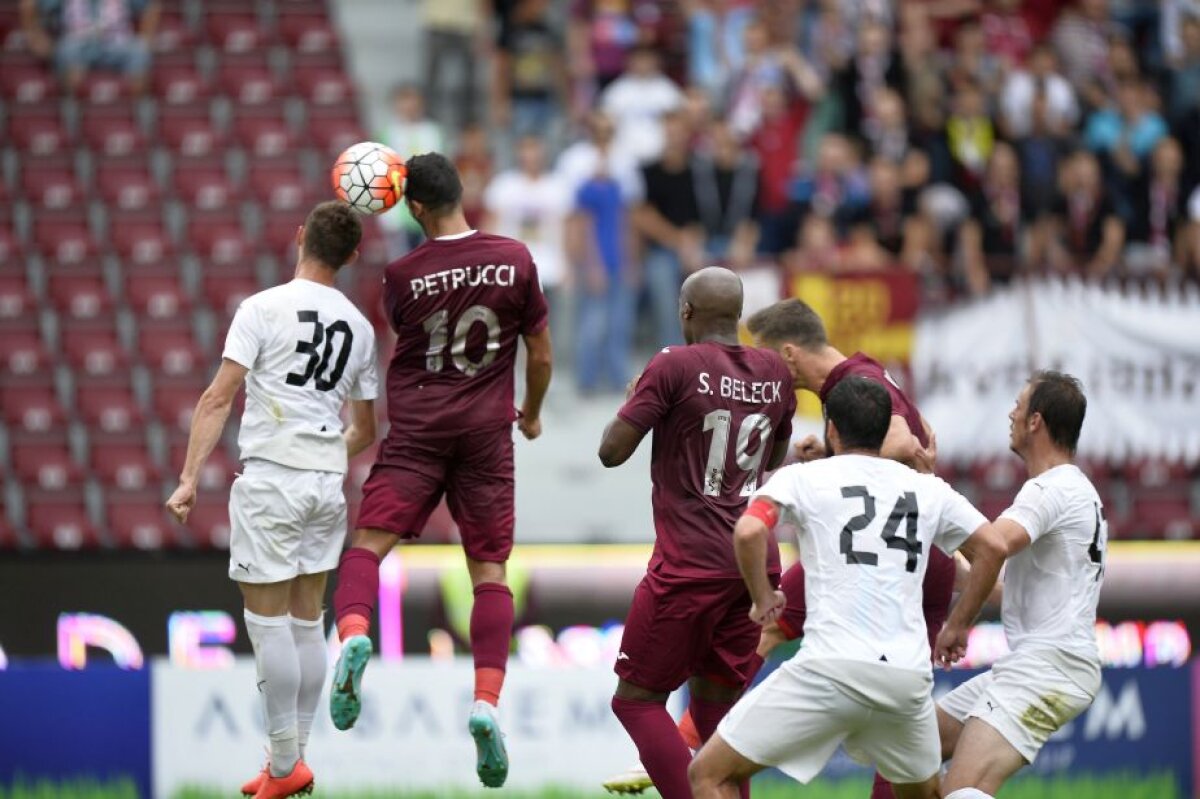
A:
<point x="968" y="793"/>
<point x="312" y="655"/>
<point x="279" y="685"/>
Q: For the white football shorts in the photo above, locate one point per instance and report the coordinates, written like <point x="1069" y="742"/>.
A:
<point x="796" y="718"/>
<point x="284" y="522"/>
<point x="1025" y="696"/>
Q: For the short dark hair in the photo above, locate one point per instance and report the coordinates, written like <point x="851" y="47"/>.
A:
<point x="332" y="233"/>
<point x="433" y="181"/>
<point x="1058" y="397"/>
<point x="789" y="321"/>
<point x="861" y="410"/>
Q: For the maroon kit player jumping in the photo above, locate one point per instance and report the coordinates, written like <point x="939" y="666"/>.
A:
<point x="721" y="414"/>
<point x="458" y="304"/>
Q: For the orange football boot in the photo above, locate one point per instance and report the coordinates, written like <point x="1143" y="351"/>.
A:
<point x="300" y="781"/>
<point x="251" y="787"/>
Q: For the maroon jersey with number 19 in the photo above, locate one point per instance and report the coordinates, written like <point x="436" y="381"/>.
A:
<point x="716" y="411"/>
<point x="458" y="306"/>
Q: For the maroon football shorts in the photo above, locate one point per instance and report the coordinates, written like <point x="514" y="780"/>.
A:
<point x="681" y="627"/>
<point x="474" y="471"/>
<point x="937" y="590"/>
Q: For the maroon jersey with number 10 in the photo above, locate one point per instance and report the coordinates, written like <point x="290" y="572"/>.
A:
<point x="458" y="305"/>
<point x="716" y="411"/>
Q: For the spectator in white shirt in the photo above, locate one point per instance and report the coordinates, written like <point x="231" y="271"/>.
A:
<point x="531" y="204"/>
<point x="1042" y="75"/>
<point x="636" y="101"/>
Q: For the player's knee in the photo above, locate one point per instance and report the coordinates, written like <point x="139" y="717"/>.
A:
<point x="483" y="571"/>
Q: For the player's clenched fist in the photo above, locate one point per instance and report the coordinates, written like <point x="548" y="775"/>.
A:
<point x="951" y="646"/>
<point x="809" y="449"/>
<point x="530" y="428"/>
<point x="180" y="503"/>
<point x="768" y="609"/>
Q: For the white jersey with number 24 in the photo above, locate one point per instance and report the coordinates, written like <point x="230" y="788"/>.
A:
<point x="866" y="525"/>
<point x="308" y="349"/>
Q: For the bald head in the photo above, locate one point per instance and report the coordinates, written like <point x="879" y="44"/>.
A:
<point x="710" y="303"/>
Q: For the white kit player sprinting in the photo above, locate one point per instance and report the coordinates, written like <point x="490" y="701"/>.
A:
<point x="303" y="350"/>
<point x="864" y="676"/>
<point x="1056" y="538"/>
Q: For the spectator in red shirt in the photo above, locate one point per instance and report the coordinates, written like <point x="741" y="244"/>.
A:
<point x="474" y="164"/>
<point x="776" y="143"/>
<point x="1006" y="33"/>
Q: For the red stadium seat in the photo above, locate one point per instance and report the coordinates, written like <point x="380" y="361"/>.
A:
<point x="219" y="238"/>
<point x="217" y="472"/>
<point x="8" y="536"/>
<point x="188" y="130"/>
<point x="27" y="85"/>
<point x="334" y="129"/>
<point x="209" y="521"/>
<point x="234" y="30"/>
<point x="249" y="80"/>
<point x="79" y="292"/>
<point x="1004" y="474"/>
<point x="279" y="186"/>
<point x="93" y="348"/>
<point x="38" y="131"/>
<point x="60" y="520"/>
<point x="126" y="185"/>
<point x="279" y="233"/>
<point x="306" y="32"/>
<point x="103" y="88"/>
<point x="321" y="87"/>
<point x="138" y="520"/>
<point x="50" y="182"/>
<point x="154" y="292"/>
<point x="263" y="135"/>
<point x="30" y="404"/>
<point x="12" y="256"/>
<point x="169" y="348"/>
<point x="1161" y="512"/>
<point x="112" y="131"/>
<point x="175" y="400"/>
<point x="141" y="240"/>
<point x="205" y="188"/>
<point x="224" y="286"/>
<point x="123" y="462"/>
<point x="24" y="352"/>
<point x="64" y="236"/>
<point x="172" y="34"/>
<point x="15" y="297"/>
<point x="1156" y="472"/>
<point x="107" y="405"/>
<point x="180" y="85"/>
<point x="45" y="462"/>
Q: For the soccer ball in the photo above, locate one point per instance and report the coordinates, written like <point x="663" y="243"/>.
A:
<point x="369" y="176"/>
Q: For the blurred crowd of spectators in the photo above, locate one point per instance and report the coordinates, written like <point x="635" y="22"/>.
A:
<point x="968" y="142"/>
<point x="631" y="141"/>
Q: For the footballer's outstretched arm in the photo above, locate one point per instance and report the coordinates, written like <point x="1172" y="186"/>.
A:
<point x="985" y="551"/>
<point x="619" y="442"/>
<point x="539" y="363"/>
<point x="212" y="411"/>
<point x="361" y="432"/>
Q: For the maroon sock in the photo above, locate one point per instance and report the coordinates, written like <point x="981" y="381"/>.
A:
<point x="707" y="715"/>
<point x="882" y="789"/>
<point x="659" y="744"/>
<point x="358" y="584"/>
<point x="491" y="625"/>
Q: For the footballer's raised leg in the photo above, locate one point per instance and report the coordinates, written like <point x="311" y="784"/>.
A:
<point x="354" y="603"/>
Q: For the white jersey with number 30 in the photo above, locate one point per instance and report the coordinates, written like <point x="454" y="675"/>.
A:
<point x="866" y="525"/>
<point x="308" y="349"/>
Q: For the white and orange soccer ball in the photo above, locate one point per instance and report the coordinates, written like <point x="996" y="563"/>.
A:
<point x="369" y="176"/>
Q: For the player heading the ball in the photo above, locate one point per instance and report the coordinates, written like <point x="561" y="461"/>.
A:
<point x="458" y="303"/>
<point x="303" y="351"/>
